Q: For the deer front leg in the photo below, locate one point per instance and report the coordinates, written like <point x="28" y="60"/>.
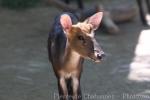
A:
<point x="62" y="87"/>
<point x="76" y="89"/>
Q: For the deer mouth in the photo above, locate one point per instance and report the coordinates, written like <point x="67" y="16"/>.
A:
<point x="95" y="60"/>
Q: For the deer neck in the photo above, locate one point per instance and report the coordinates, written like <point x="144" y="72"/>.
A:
<point x="72" y="58"/>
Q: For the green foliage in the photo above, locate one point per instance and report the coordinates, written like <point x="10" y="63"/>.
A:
<point x="17" y="4"/>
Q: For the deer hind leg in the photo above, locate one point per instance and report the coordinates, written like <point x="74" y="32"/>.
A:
<point x="62" y="87"/>
<point x="70" y="88"/>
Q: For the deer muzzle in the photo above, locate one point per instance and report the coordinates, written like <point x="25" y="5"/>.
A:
<point x="98" y="52"/>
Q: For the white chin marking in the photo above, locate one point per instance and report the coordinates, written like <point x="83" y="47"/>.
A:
<point x="97" y="61"/>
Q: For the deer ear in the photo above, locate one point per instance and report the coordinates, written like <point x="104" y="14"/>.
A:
<point x="66" y="22"/>
<point x="95" y="20"/>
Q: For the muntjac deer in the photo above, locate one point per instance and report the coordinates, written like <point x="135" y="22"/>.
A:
<point x="69" y="43"/>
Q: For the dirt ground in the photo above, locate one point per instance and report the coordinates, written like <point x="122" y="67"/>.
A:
<point x="26" y="74"/>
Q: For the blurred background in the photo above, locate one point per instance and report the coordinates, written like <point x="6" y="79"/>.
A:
<point x="26" y="74"/>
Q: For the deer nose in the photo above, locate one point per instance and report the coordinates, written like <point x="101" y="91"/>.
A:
<point x="100" y="56"/>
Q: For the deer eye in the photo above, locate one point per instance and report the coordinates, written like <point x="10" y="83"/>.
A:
<point x="81" y="38"/>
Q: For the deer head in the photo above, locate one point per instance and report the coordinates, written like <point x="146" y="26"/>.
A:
<point x="80" y="37"/>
